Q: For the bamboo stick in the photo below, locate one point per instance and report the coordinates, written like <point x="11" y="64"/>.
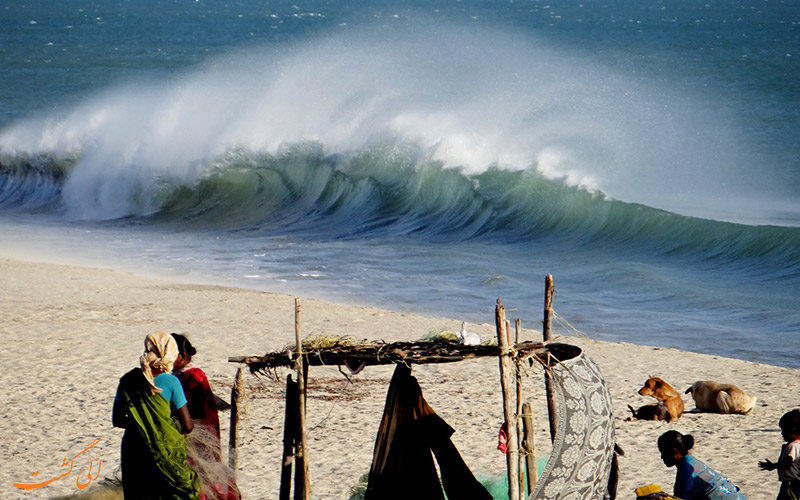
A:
<point x="548" y="383"/>
<point x="302" y="486"/>
<point x="237" y="396"/>
<point x="506" y="382"/>
<point x="528" y="446"/>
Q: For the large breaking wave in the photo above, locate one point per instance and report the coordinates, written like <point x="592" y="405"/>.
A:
<point x="400" y="192"/>
<point x="469" y="99"/>
<point x="448" y="136"/>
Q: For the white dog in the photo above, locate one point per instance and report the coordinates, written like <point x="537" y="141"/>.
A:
<point x="713" y="397"/>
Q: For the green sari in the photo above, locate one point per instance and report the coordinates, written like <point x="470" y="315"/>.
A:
<point x="154" y="465"/>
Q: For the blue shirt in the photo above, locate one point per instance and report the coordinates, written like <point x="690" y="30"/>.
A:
<point x="171" y="389"/>
<point x="697" y="481"/>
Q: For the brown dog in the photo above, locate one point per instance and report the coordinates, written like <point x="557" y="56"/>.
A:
<point x="713" y="397"/>
<point x="670" y="403"/>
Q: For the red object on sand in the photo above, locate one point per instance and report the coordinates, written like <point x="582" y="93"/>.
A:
<point x="502" y="439"/>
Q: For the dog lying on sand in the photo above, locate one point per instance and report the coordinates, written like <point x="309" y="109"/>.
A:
<point x="714" y="397"/>
<point x="670" y="403"/>
<point x="646" y="412"/>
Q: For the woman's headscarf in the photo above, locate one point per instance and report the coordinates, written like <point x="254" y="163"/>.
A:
<point x="160" y="352"/>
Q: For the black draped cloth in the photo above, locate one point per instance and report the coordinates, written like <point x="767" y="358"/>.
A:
<point x="409" y="436"/>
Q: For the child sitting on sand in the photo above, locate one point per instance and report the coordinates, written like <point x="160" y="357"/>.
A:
<point x="788" y="463"/>
<point x="694" y="480"/>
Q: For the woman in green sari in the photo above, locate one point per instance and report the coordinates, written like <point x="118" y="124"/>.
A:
<point x="154" y="465"/>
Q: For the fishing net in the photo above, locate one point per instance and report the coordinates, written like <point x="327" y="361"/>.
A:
<point x="203" y="451"/>
<point x="496" y="485"/>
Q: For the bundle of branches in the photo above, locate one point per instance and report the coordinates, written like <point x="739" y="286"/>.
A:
<point x="332" y="353"/>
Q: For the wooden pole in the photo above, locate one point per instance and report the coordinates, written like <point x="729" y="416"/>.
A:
<point x="520" y="459"/>
<point x="302" y="486"/>
<point x="549" y="290"/>
<point x="507" y="382"/>
<point x="289" y="438"/>
<point x="548" y="383"/>
<point x="528" y="446"/>
<point x="237" y="396"/>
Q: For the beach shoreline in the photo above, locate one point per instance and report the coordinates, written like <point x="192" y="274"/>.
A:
<point x="71" y="332"/>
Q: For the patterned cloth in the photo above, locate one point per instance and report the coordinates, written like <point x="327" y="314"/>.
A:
<point x="580" y="463"/>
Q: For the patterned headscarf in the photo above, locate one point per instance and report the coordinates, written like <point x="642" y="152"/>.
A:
<point x="160" y="352"/>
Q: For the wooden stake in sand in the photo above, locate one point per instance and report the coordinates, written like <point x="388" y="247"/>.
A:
<point x="302" y="486"/>
<point x="289" y="438"/>
<point x="237" y="396"/>
<point x="507" y="383"/>
<point x="548" y="384"/>
<point x="518" y="409"/>
<point x="528" y="447"/>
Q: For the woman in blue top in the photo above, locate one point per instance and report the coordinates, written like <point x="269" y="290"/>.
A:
<point x="694" y="480"/>
<point x="153" y="460"/>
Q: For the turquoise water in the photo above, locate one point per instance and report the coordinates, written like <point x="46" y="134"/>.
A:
<point x="425" y="157"/>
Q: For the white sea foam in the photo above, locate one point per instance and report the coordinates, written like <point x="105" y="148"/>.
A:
<point x="472" y="98"/>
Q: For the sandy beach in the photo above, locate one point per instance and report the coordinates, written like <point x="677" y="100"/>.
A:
<point x="71" y="332"/>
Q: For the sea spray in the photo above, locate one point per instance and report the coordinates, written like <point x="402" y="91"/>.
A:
<point x="483" y="98"/>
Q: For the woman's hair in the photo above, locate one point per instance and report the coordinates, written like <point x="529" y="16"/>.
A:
<point x="674" y="440"/>
<point x="184" y="346"/>
<point x="790" y="421"/>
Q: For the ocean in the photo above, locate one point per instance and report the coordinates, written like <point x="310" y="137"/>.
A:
<point x="428" y="157"/>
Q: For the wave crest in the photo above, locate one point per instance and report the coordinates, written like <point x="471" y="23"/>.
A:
<point x="483" y="98"/>
<point x="396" y="190"/>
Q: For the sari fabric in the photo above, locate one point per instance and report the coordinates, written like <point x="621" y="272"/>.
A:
<point x="199" y="397"/>
<point x="205" y="453"/>
<point x="154" y="463"/>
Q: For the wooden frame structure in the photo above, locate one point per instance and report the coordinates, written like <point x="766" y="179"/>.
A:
<point x="510" y="355"/>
